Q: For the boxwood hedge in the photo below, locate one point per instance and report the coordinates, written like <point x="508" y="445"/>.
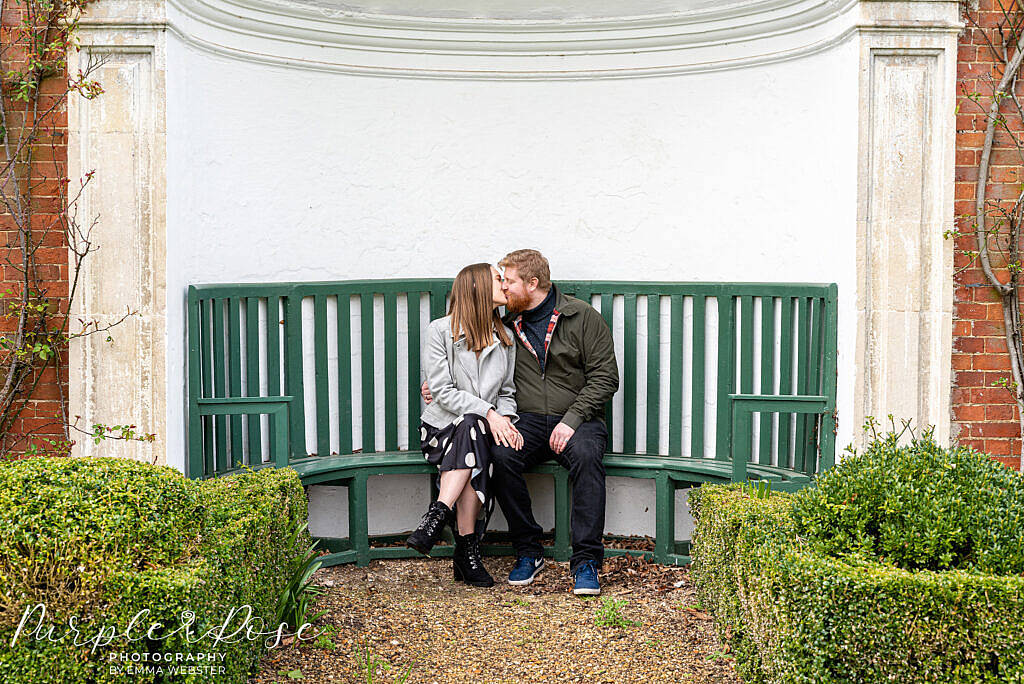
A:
<point x="903" y="564"/>
<point x="97" y="540"/>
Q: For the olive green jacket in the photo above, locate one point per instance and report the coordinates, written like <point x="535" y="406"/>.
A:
<point x="580" y="373"/>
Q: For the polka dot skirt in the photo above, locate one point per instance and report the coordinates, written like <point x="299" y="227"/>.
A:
<point x="465" y="443"/>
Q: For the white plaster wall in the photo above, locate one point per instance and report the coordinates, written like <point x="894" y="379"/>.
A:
<point x="284" y="174"/>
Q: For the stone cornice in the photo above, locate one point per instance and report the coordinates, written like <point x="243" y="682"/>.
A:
<point x="327" y="36"/>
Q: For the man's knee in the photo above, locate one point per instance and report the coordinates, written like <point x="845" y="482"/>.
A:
<point x="507" y="459"/>
<point x="586" y="452"/>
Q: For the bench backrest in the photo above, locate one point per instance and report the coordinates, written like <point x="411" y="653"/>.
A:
<point x="682" y="348"/>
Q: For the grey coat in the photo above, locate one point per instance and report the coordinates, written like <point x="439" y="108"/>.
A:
<point x="462" y="383"/>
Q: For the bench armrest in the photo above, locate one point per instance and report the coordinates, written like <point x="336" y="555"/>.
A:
<point x="275" y="407"/>
<point x="743" y="408"/>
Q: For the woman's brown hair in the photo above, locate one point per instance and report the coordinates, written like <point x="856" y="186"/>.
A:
<point x="472" y="308"/>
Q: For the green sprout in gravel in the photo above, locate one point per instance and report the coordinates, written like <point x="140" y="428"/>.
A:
<point x="371" y="663"/>
<point x="324" y="640"/>
<point x="608" y="614"/>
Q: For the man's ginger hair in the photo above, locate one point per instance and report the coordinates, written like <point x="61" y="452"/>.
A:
<point x="529" y="263"/>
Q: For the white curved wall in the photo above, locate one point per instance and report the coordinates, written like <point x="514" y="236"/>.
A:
<point x="787" y="140"/>
<point x="286" y="174"/>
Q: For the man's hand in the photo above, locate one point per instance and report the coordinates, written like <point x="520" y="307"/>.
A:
<point x="560" y="437"/>
<point x="425" y="393"/>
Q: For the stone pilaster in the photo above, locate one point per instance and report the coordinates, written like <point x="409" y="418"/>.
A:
<point x="121" y="136"/>
<point x="908" y="53"/>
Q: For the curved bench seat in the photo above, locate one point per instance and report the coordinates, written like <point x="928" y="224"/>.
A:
<point x="319" y="470"/>
<point x="669" y="473"/>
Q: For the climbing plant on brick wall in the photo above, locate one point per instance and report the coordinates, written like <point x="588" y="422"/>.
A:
<point x="988" y="235"/>
<point x="45" y="239"/>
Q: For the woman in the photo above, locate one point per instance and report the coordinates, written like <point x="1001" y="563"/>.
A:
<point x="468" y="360"/>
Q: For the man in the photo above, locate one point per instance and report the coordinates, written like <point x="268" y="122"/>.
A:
<point x="565" y="373"/>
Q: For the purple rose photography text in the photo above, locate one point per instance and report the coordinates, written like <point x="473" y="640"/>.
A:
<point x="238" y="624"/>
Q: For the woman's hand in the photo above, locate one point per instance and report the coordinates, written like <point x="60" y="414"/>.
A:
<point x="518" y="440"/>
<point x="503" y="431"/>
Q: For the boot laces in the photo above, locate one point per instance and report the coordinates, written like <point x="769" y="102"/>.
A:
<point x="473" y="554"/>
<point x="431" y="520"/>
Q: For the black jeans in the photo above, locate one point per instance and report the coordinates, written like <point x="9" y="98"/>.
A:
<point x="582" y="456"/>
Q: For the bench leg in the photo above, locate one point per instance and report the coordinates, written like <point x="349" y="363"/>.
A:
<point x="358" y="524"/>
<point x="563" y="530"/>
<point x="665" y="518"/>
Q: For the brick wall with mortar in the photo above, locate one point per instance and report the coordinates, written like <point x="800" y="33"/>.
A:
<point x="42" y="415"/>
<point x="984" y="414"/>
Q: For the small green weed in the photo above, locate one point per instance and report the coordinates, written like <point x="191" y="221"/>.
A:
<point x="372" y="663"/>
<point x="324" y="641"/>
<point x="608" y="614"/>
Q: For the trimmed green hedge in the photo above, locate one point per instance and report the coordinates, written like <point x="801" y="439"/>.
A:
<point x="805" y="586"/>
<point x="919" y="507"/>
<point x="100" y="539"/>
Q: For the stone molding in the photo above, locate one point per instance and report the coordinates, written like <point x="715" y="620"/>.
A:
<point x="315" y="36"/>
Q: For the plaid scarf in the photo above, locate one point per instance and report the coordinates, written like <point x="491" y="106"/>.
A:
<point x="518" y="325"/>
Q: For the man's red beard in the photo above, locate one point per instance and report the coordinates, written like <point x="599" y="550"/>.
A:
<point x="516" y="304"/>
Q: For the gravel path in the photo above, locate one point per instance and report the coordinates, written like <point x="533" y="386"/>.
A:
<point x="403" y="614"/>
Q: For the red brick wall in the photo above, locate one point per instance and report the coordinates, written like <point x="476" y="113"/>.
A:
<point x="984" y="416"/>
<point x="40" y="416"/>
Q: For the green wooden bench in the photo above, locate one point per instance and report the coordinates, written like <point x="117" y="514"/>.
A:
<point x="263" y="370"/>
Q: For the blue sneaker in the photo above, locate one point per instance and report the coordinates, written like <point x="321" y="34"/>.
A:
<point x="525" y="570"/>
<point x="586" y="579"/>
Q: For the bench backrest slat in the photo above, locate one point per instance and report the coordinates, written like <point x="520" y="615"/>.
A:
<point x="806" y="311"/>
<point x="697" y="374"/>
<point x="653" y="372"/>
<point x="349" y="353"/>
<point x="675" y="374"/>
<point x="786" y="338"/>
<point x="219" y="382"/>
<point x="629" y="380"/>
<point x="344" y="327"/>
<point x="293" y="372"/>
<point x="323" y="406"/>
<point x="766" y="307"/>
<point x="726" y="355"/>
<point x="414" y="300"/>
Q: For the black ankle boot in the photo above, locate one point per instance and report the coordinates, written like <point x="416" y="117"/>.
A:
<point x="429" y="531"/>
<point x="467" y="565"/>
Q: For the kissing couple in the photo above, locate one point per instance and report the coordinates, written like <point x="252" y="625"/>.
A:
<point x="503" y="394"/>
